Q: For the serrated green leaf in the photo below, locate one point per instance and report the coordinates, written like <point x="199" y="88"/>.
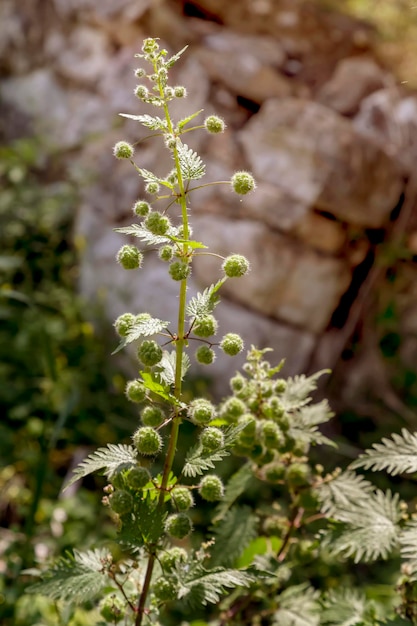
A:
<point x="144" y="524"/>
<point x="198" y="461"/>
<point x="201" y="586"/>
<point x="75" y="578"/>
<point x="298" y="388"/>
<point x="191" y="165"/>
<point x="204" y="303"/>
<point x="136" y="230"/>
<point x="153" y="123"/>
<point x="170" y="62"/>
<point x="305" y="420"/>
<point x="236" y="485"/>
<point x="145" y="328"/>
<point x="397" y="455"/>
<point x="167" y="366"/>
<point x="108" y="459"/>
<point x="154" y="384"/>
<point x="188" y="119"/>
<point x="343" y="493"/>
<point x="232" y="535"/>
<point x="369" y="530"/>
<point x="298" y="606"/>
<point x="408" y="544"/>
<point x="195" y="245"/>
<point x="348" y="607"/>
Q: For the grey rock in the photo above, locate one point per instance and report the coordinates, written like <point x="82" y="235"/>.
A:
<point x="353" y="79"/>
<point x="288" y="282"/>
<point x="318" y="156"/>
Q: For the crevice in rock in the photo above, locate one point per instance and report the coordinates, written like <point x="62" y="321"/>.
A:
<point x="190" y="9"/>
<point x="359" y="275"/>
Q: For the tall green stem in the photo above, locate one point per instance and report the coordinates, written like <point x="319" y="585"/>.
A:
<point x="179" y="350"/>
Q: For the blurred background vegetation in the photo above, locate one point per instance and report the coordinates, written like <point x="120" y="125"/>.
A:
<point x="61" y="395"/>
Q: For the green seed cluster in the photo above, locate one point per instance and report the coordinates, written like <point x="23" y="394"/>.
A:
<point x="205" y="355"/>
<point x="243" y="183"/>
<point x="123" y="150"/>
<point x="205" y="326"/>
<point x="235" y="265"/>
<point x="124" y="323"/>
<point x="179" y="270"/>
<point x="214" y="124"/>
<point x="178" y="525"/>
<point x="149" y="352"/>
<point x="129" y="257"/>
<point x="136" y="391"/>
<point x="147" y="441"/>
<point x="201" y="411"/>
<point x="211" y="488"/>
<point x="152" y="415"/>
<point x="182" y="498"/>
<point x="257" y="403"/>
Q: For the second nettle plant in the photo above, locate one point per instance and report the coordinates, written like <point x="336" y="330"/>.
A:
<point x="260" y="559"/>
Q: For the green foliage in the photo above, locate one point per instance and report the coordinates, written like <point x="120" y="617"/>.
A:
<point x="298" y="606"/>
<point x="200" y="586"/>
<point x="397" y="455"/>
<point x="76" y="578"/>
<point x="280" y="541"/>
<point x="109" y="460"/>
<point x="232" y="535"/>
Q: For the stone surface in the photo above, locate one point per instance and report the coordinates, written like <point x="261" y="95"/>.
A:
<point x="287" y="282"/>
<point x="389" y="117"/>
<point x="245" y="75"/>
<point x="323" y="179"/>
<point x="84" y="57"/>
<point x="317" y="156"/>
<point x="353" y="79"/>
<point x="63" y="118"/>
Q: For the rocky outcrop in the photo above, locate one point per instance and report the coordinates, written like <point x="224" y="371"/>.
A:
<point x="310" y="110"/>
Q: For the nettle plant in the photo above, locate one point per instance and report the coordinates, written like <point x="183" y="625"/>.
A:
<point x="276" y="557"/>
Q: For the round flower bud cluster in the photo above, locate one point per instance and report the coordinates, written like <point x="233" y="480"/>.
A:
<point x="147" y="441"/>
<point x="121" y="502"/>
<point x="166" y="253"/>
<point x="231" y="344"/>
<point x="152" y="187"/>
<point x="205" y="355"/>
<point x="165" y="590"/>
<point x="201" y="411"/>
<point x="235" y="265"/>
<point x="168" y="558"/>
<point x="205" y="326"/>
<point x="214" y="124"/>
<point x="243" y="183"/>
<point x="149" y="352"/>
<point x="123" y="150"/>
<point x="258" y="402"/>
<point x="137" y="478"/>
<point x="136" y="391"/>
<point x="152" y="416"/>
<point x="142" y="92"/>
<point x="211" y="488"/>
<point x="141" y="208"/>
<point x="211" y="439"/>
<point x="180" y="91"/>
<point x="179" y="270"/>
<point x="112" y="609"/>
<point x="182" y="498"/>
<point x="129" y="257"/>
<point x="124" y="323"/>
<point x="178" y="525"/>
<point x="157" y="224"/>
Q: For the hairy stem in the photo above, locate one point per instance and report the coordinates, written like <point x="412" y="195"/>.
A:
<point x="179" y="349"/>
